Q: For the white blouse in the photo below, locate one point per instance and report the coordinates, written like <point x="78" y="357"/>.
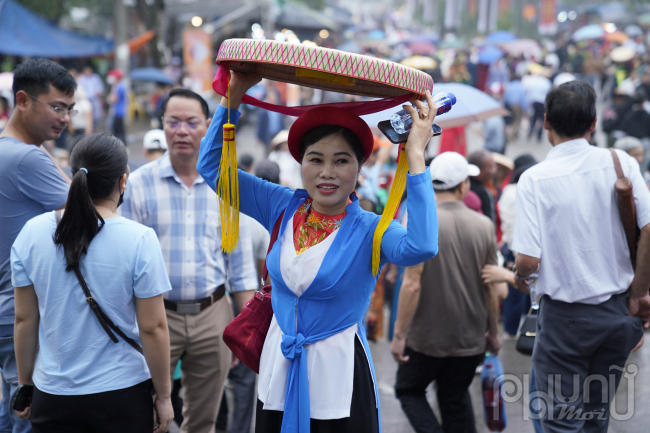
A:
<point x="330" y="361"/>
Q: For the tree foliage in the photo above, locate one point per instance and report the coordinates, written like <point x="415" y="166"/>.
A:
<point x="54" y="10"/>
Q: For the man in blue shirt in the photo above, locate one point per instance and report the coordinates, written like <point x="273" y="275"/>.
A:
<point x="30" y="184"/>
<point x="516" y="101"/>
<point x="118" y="98"/>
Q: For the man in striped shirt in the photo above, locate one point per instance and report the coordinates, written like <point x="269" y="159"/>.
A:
<point x="169" y="196"/>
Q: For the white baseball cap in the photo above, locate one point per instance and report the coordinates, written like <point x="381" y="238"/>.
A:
<point x="449" y="169"/>
<point x="155" y="140"/>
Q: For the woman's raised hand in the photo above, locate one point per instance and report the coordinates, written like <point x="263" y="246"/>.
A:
<point x="239" y="85"/>
<point x="420" y="133"/>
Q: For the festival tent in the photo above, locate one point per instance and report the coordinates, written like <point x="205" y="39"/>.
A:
<point x="26" y="34"/>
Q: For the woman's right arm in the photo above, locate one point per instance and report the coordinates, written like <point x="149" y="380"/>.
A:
<point x="154" y="335"/>
<point x="259" y="199"/>
<point x="26" y="336"/>
<point x="150" y="281"/>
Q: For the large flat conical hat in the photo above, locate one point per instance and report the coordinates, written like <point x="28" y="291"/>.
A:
<point x="323" y="68"/>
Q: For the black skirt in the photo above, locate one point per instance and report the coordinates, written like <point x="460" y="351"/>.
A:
<point x="363" y="408"/>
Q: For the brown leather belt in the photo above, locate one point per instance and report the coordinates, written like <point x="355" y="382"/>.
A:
<point x="195" y="307"/>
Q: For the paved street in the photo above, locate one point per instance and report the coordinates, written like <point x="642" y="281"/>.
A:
<point x="394" y="421"/>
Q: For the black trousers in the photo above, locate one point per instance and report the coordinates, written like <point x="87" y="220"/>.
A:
<point x="582" y="347"/>
<point x="118" y="129"/>
<point x="128" y="410"/>
<point x="363" y="409"/>
<point x="453" y="376"/>
<point x="242" y="380"/>
<point x="538" y="118"/>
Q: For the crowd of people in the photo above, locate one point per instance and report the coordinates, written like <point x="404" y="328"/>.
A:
<point x="144" y="250"/>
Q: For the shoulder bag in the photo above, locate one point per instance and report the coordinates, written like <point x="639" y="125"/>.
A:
<point x="527" y="333"/>
<point x="626" y="208"/>
<point x="245" y="335"/>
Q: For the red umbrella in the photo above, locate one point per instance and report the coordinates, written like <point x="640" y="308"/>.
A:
<point x="617" y="36"/>
<point x="422" y="47"/>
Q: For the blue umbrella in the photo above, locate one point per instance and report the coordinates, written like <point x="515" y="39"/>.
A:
<point x="592" y="31"/>
<point x="633" y="31"/>
<point x="350" y="47"/>
<point x="489" y="55"/>
<point x="428" y="37"/>
<point x="472" y="105"/>
<point x="499" y="37"/>
<point x="150" y="74"/>
<point x="376" y="35"/>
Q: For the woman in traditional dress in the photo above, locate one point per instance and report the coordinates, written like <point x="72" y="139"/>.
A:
<point x="316" y="371"/>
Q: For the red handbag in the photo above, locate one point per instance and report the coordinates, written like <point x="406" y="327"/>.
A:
<point x="246" y="334"/>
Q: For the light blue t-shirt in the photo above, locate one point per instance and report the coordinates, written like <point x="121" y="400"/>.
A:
<point x="75" y="355"/>
<point x="30" y="184"/>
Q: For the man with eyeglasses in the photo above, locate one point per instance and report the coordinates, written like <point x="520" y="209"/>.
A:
<point x="169" y="196"/>
<point x="30" y="184"/>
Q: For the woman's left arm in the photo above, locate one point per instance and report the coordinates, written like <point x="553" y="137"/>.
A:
<point x="408" y="247"/>
<point x="26" y="332"/>
<point x="419" y="241"/>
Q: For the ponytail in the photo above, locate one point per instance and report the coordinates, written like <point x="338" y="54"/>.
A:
<point x="98" y="161"/>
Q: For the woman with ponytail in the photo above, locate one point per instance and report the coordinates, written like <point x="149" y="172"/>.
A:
<point x="89" y="288"/>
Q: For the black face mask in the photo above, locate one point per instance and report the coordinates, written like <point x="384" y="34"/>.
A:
<point x="121" y="200"/>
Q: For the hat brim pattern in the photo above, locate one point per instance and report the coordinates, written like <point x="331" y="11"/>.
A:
<point x="279" y="60"/>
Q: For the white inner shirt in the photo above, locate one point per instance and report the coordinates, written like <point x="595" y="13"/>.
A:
<point x="330" y="362"/>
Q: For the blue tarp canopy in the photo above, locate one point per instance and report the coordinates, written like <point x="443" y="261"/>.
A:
<point x="151" y="74"/>
<point x="26" y="34"/>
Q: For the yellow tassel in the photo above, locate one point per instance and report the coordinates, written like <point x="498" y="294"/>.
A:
<point x="394" y="199"/>
<point x="228" y="188"/>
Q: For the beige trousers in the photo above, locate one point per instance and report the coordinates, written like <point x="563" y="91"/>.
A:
<point x="205" y="365"/>
<point x="517" y="114"/>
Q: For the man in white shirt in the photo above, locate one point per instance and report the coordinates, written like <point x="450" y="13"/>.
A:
<point x="537" y="86"/>
<point x="568" y="225"/>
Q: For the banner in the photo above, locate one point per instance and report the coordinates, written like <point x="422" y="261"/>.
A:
<point x="198" y="58"/>
<point x="548" y="17"/>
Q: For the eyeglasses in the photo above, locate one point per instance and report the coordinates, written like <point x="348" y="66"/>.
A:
<point x="175" y="124"/>
<point x="59" y="111"/>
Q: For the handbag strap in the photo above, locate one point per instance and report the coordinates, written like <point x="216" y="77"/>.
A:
<point x="104" y="320"/>
<point x="274" y="237"/>
<point x="617" y="164"/>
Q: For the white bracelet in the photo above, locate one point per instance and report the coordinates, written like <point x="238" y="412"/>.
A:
<point x="415" y="174"/>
